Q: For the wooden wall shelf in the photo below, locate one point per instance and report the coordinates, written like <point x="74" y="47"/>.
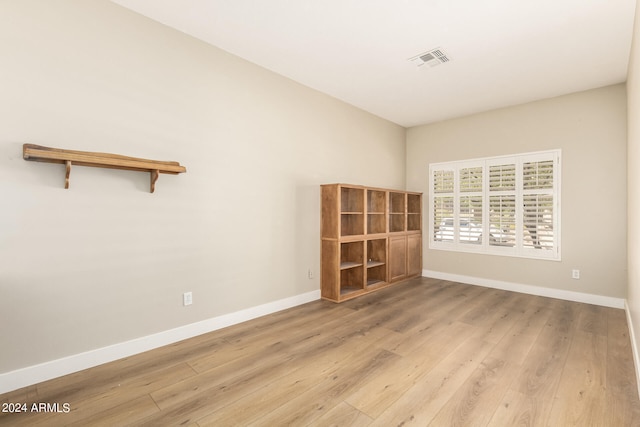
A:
<point x="39" y="153"/>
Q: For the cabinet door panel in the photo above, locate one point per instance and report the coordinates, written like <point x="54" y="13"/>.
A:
<point x="397" y="257"/>
<point x="414" y="254"/>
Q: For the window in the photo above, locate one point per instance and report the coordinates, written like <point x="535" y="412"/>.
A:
<point x="503" y="205"/>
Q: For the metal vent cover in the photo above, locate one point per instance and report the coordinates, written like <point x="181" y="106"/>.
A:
<point x="432" y="58"/>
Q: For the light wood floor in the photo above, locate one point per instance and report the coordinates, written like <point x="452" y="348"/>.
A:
<point x="426" y="352"/>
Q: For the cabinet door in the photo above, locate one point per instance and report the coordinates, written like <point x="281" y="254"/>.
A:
<point x="397" y="258"/>
<point x="414" y="254"/>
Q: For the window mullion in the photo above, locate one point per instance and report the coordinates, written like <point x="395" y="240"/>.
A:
<point x="556" y="204"/>
<point x="519" y="211"/>
<point x="456" y="206"/>
<point x="486" y="226"/>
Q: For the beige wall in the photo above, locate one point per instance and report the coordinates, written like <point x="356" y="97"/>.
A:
<point x="590" y="129"/>
<point x="105" y="261"/>
<point x="633" y="165"/>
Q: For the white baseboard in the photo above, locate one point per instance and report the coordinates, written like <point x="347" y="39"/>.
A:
<point x="56" y="368"/>
<point x="634" y="345"/>
<point x="529" y="289"/>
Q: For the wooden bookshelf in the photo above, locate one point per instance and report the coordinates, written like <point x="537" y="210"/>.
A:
<point x="370" y="238"/>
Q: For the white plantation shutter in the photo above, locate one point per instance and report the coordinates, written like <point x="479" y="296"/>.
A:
<point x="502" y="177"/>
<point x="537" y="175"/>
<point x="471" y="179"/>
<point x="503" y="205"/>
<point x="502" y="220"/>
<point x="537" y="205"/>
<point x="443" y="204"/>
<point x="443" y="181"/>
<point x="443" y="219"/>
<point x="470" y="206"/>
<point x="538" y="230"/>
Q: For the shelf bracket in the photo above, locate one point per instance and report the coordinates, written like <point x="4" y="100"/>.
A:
<point x="154" y="177"/>
<point x="66" y="176"/>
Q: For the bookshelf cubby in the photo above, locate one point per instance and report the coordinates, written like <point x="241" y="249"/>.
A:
<point x="376" y="262"/>
<point x="376" y="212"/>
<point x="351" y="211"/>
<point x="359" y="254"/>
<point x="414" y="212"/>
<point x="397" y="212"/>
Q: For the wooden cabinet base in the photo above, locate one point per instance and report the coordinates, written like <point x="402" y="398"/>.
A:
<point x="348" y="294"/>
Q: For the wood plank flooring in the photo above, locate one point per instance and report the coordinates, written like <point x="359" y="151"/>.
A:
<point x="426" y="352"/>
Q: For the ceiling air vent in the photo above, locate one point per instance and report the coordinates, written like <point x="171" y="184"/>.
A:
<point x="431" y="58"/>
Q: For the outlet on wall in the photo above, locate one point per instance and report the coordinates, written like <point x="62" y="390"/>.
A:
<point x="310" y="274"/>
<point x="575" y="274"/>
<point x="187" y="298"/>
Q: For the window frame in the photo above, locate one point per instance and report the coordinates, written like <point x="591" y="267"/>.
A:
<point x="521" y="247"/>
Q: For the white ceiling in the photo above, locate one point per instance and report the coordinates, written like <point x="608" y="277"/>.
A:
<point x="502" y="52"/>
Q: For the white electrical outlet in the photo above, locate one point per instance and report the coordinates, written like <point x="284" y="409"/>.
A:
<point x="187" y="298"/>
<point x="310" y="274"/>
<point x="575" y="274"/>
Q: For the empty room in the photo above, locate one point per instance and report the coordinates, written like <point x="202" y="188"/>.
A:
<point x="351" y="213"/>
